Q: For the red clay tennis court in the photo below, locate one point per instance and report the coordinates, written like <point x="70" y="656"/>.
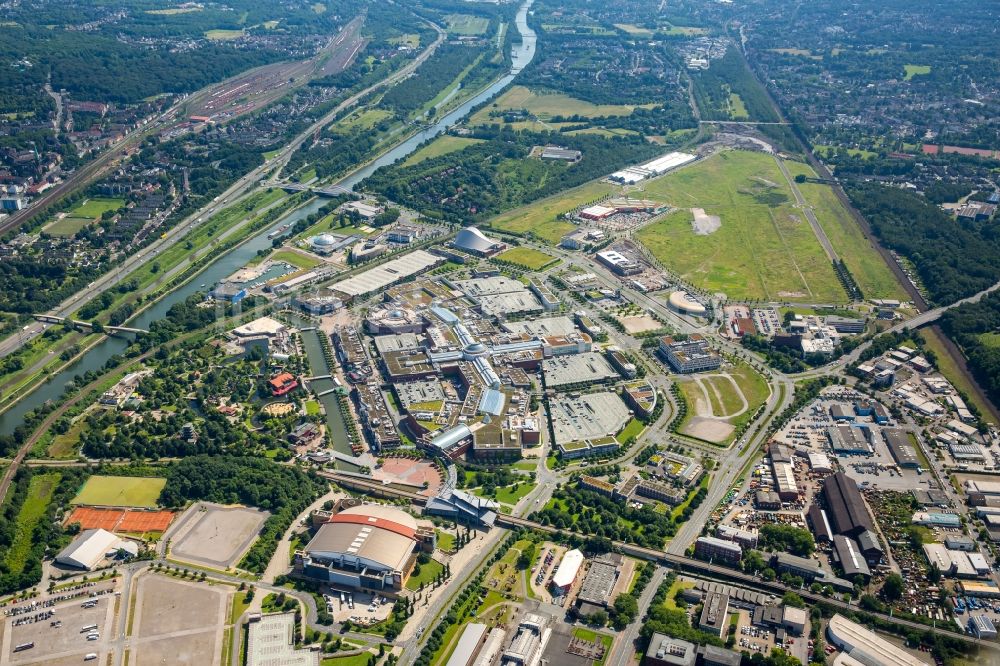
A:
<point x="120" y="520"/>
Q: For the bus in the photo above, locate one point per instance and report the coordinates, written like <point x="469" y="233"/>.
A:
<point x="24" y="646"/>
<point x="89" y="627"/>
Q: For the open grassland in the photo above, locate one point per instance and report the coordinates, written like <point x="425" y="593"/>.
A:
<point x="541" y="217"/>
<point x="40" y="491"/>
<point x="94" y="208"/>
<point x="410" y="39"/>
<point x="546" y="105"/>
<point x="362" y="120"/>
<point x="635" y="30"/>
<point x="916" y="70"/>
<point x="441" y="146"/>
<point x="220" y="35"/>
<point x="297" y="259"/>
<point x="173" y="11"/>
<point x="765" y="248"/>
<point x="464" y="24"/>
<point x="426" y="576"/>
<point x="862" y="259"/>
<point x="120" y="491"/>
<point x="737" y="109"/>
<point x="527" y="257"/>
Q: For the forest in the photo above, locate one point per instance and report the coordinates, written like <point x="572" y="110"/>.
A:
<point x="448" y="61"/>
<point x="975" y="327"/>
<point x="729" y="76"/>
<point x="954" y="259"/>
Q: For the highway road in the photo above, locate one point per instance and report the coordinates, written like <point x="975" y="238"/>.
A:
<point x="231" y="196"/>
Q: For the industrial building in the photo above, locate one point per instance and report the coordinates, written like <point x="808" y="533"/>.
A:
<point x="849" y="439"/>
<point x="982" y="627"/>
<point x="569" y="569"/>
<point x="91" y="547"/>
<point x="848" y="555"/>
<point x="784" y="481"/>
<point x="690" y="355"/>
<point x="865" y="646"/>
<point x="660" y="165"/>
<point x="845" y="507"/>
<point x="595" y="591"/>
<point x="469" y="644"/>
<point x="618" y="262"/>
<point x="364" y="547"/>
<point x="900" y="447"/>
<point x="529" y="642"/>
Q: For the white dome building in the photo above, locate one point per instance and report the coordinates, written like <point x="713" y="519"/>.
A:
<point x="323" y="243"/>
<point x="683" y="303"/>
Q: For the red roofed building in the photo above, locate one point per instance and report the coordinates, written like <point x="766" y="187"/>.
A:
<point x="283" y="383"/>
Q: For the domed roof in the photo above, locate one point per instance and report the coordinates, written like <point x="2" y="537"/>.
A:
<point x="684" y="302"/>
<point x="323" y="239"/>
<point x="475" y="349"/>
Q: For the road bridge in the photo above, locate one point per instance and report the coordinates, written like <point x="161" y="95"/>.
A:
<point x="53" y="319"/>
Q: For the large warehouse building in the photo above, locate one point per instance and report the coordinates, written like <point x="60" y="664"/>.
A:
<point x="866" y="647"/>
<point x="845" y="507"/>
<point x="364" y="547"/>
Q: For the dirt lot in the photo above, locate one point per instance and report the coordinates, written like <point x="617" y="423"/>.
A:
<point x="177" y="622"/>
<point x="639" y="324"/>
<point x="215" y="536"/>
<point x="708" y="429"/>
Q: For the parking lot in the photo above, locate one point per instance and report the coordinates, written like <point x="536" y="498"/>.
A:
<point x="57" y="628"/>
<point x="358" y="607"/>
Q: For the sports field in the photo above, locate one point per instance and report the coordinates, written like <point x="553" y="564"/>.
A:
<point x="120" y="491"/>
<point x="220" y="35"/>
<point x="764" y="249"/>
<point x="96" y="207"/>
<point x="531" y="259"/>
<point x="440" y="146"/>
<point x="545" y="105"/>
<point x="866" y="265"/>
<point x="540" y="217"/>
<point x="464" y="24"/>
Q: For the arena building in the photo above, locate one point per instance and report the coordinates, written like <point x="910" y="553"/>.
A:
<point x="474" y="241"/>
<point x="364" y="547"/>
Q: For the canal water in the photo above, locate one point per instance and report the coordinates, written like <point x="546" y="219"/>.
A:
<point x="227" y="264"/>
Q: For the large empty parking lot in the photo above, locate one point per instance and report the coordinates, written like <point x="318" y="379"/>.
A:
<point x="213" y="535"/>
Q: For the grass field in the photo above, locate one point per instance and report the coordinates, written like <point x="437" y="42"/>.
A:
<point x="755" y="389"/>
<point x="991" y="340"/>
<point x="120" y="491"/>
<point x="173" y="10"/>
<point x="40" y="491"/>
<point x="426" y="576"/>
<point x="862" y="259"/>
<point x="464" y="24"/>
<point x="737" y="109"/>
<point x="953" y="373"/>
<point x="410" y="39"/>
<point x="916" y="70"/>
<point x="685" y="30"/>
<point x="765" y="248"/>
<point x="545" y="105"/>
<point x="511" y="495"/>
<point x="94" y="208"/>
<point x="441" y="146"/>
<point x="530" y="258"/>
<point x="68" y="226"/>
<point x="347" y="660"/>
<point x="220" y="35"/>
<point x="631" y="429"/>
<point x="540" y="217"/>
<point x="445" y="541"/>
<point x="295" y="259"/>
<point x="634" y="29"/>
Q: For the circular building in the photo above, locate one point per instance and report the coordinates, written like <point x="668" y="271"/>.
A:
<point x="323" y="243"/>
<point x="368" y="546"/>
<point x="683" y="303"/>
<point x="391" y="319"/>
